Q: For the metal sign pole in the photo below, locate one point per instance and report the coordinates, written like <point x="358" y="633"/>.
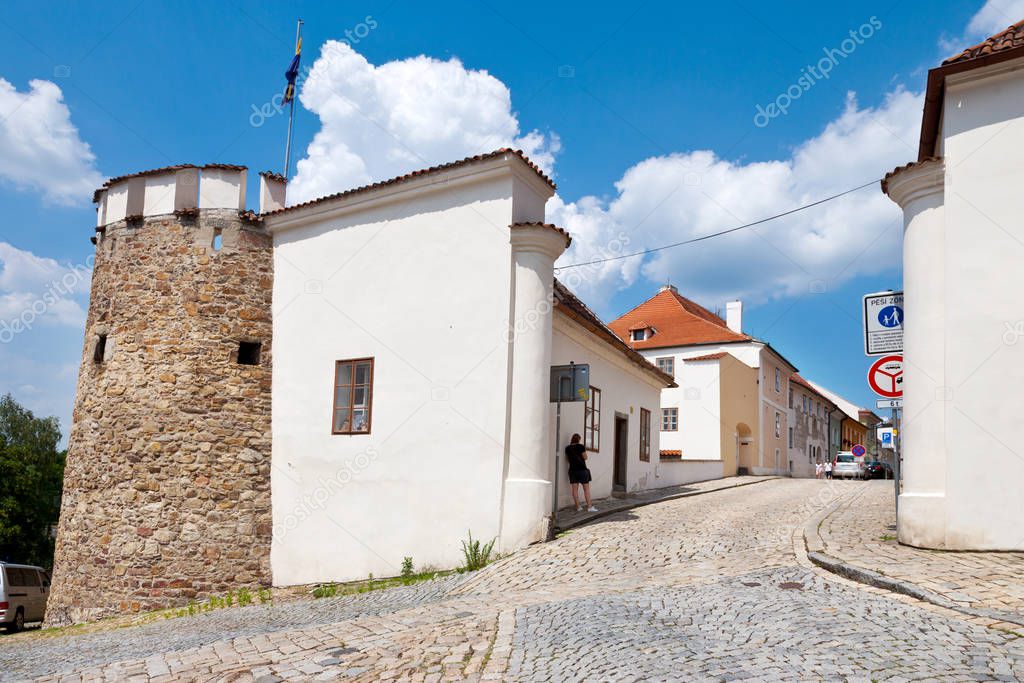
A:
<point x="896" y="459"/>
<point x="554" y="496"/>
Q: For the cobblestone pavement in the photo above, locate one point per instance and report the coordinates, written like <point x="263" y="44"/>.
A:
<point x="862" y="533"/>
<point x="712" y="587"/>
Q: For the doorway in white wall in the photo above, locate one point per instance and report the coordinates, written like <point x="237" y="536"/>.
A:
<point x="621" y="450"/>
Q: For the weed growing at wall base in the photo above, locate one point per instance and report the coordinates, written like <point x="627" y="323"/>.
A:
<point x="475" y="555"/>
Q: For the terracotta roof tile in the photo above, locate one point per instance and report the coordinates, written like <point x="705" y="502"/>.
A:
<point x="1008" y="39"/>
<point x="710" y="356"/>
<point x="904" y="167"/>
<point x="550" y="226"/>
<point x="670" y="454"/>
<point x="797" y="379"/>
<point x="677" y="321"/>
<point x="416" y="174"/>
<point x="274" y="176"/>
<point x="1004" y="46"/>
<point x="569" y="303"/>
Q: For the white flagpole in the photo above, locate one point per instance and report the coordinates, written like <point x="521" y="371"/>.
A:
<point x="291" y="112"/>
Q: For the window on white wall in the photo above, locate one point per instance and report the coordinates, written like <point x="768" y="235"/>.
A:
<point x="667" y="365"/>
<point x="592" y="421"/>
<point x="353" y="396"/>
<point x="670" y="419"/>
<point x="645" y="435"/>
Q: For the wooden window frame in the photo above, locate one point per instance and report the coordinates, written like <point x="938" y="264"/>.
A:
<point x="671" y="361"/>
<point x="645" y="435"/>
<point x="592" y="421"/>
<point x="663" y="420"/>
<point x="352" y="362"/>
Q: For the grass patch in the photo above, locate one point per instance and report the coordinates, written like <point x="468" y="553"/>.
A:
<point x="332" y="590"/>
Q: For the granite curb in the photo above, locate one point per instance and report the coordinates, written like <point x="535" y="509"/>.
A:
<point x="641" y="503"/>
<point x="816" y="553"/>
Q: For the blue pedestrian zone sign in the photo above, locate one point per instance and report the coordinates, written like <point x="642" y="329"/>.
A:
<point x="883" y="323"/>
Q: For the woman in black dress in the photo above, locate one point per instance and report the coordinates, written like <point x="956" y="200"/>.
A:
<point x="579" y="473"/>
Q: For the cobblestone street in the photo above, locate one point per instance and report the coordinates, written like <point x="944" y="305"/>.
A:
<point x="711" y="587"/>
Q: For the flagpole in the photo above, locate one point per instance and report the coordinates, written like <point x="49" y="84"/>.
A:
<point x="291" y="115"/>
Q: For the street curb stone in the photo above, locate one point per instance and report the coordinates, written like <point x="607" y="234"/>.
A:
<point x="641" y="503"/>
<point x="816" y="553"/>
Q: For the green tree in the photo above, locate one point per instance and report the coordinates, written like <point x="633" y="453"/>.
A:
<point x="31" y="476"/>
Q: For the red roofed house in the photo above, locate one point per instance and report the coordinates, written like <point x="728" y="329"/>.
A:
<point x="730" y="406"/>
<point x="963" y="248"/>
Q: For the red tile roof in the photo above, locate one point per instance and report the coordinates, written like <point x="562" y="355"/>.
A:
<point x="904" y="167"/>
<point x="710" y="356"/>
<point x="1003" y="46"/>
<point x="569" y="304"/>
<point x="425" y="171"/>
<point x="549" y="226"/>
<point x="274" y="176"/>
<point x="677" y="321"/>
<point x="1009" y="39"/>
<point x="797" y="379"/>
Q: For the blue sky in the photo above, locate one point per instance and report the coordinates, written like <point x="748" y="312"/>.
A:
<point x="615" y="99"/>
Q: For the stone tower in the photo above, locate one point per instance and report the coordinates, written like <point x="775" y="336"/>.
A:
<point x="167" y="486"/>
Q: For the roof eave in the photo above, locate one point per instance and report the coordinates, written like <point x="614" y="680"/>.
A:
<point x="935" y="91"/>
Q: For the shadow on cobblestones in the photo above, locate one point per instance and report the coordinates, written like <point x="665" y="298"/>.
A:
<point x="48" y="656"/>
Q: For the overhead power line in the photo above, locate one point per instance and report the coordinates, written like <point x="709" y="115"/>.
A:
<point x="719" y="234"/>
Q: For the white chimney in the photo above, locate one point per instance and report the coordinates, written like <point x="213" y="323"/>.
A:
<point x="734" y="316"/>
<point x="272" y="191"/>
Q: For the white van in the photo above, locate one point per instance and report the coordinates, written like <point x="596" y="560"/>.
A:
<point x="23" y="593"/>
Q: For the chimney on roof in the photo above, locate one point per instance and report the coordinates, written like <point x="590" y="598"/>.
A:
<point x="734" y="316"/>
<point x="272" y="191"/>
<point x="668" y="287"/>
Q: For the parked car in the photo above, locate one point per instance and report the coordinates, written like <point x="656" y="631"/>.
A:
<point x="847" y="466"/>
<point x="23" y="593"/>
<point x="878" y="470"/>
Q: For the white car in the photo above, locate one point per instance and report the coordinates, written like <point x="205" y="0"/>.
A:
<point x="847" y="466"/>
<point x="23" y="593"/>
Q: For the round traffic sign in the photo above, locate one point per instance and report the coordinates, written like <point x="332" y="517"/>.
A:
<point x="858" y="450"/>
<point x="886" y="376"/>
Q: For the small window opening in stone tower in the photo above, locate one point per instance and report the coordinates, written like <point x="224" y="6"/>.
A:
<point x="249" y="353"/>
<point x="100" y="349"/>
<point x="217" y="239"/>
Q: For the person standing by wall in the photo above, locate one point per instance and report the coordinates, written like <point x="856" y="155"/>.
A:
<point x="579" y="473"/>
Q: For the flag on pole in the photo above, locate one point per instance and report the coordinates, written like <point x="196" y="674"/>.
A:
<point x="292" y="73"/>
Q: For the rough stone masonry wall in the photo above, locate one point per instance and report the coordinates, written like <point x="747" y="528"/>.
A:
<point x="167" y="486"/>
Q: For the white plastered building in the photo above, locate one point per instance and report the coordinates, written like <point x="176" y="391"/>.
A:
<point x="963" y="251"/>
<point x="415" y="324"/>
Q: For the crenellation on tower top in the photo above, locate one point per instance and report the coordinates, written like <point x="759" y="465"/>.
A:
<point x="170" y="189"/>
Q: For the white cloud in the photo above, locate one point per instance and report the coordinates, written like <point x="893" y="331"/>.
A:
<point x="381" y="121"/>
<point x="668" y="199"/>
<point x="41" y="147"/>
<point x="38" y="290"/>
<point x="995" y="16"/>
